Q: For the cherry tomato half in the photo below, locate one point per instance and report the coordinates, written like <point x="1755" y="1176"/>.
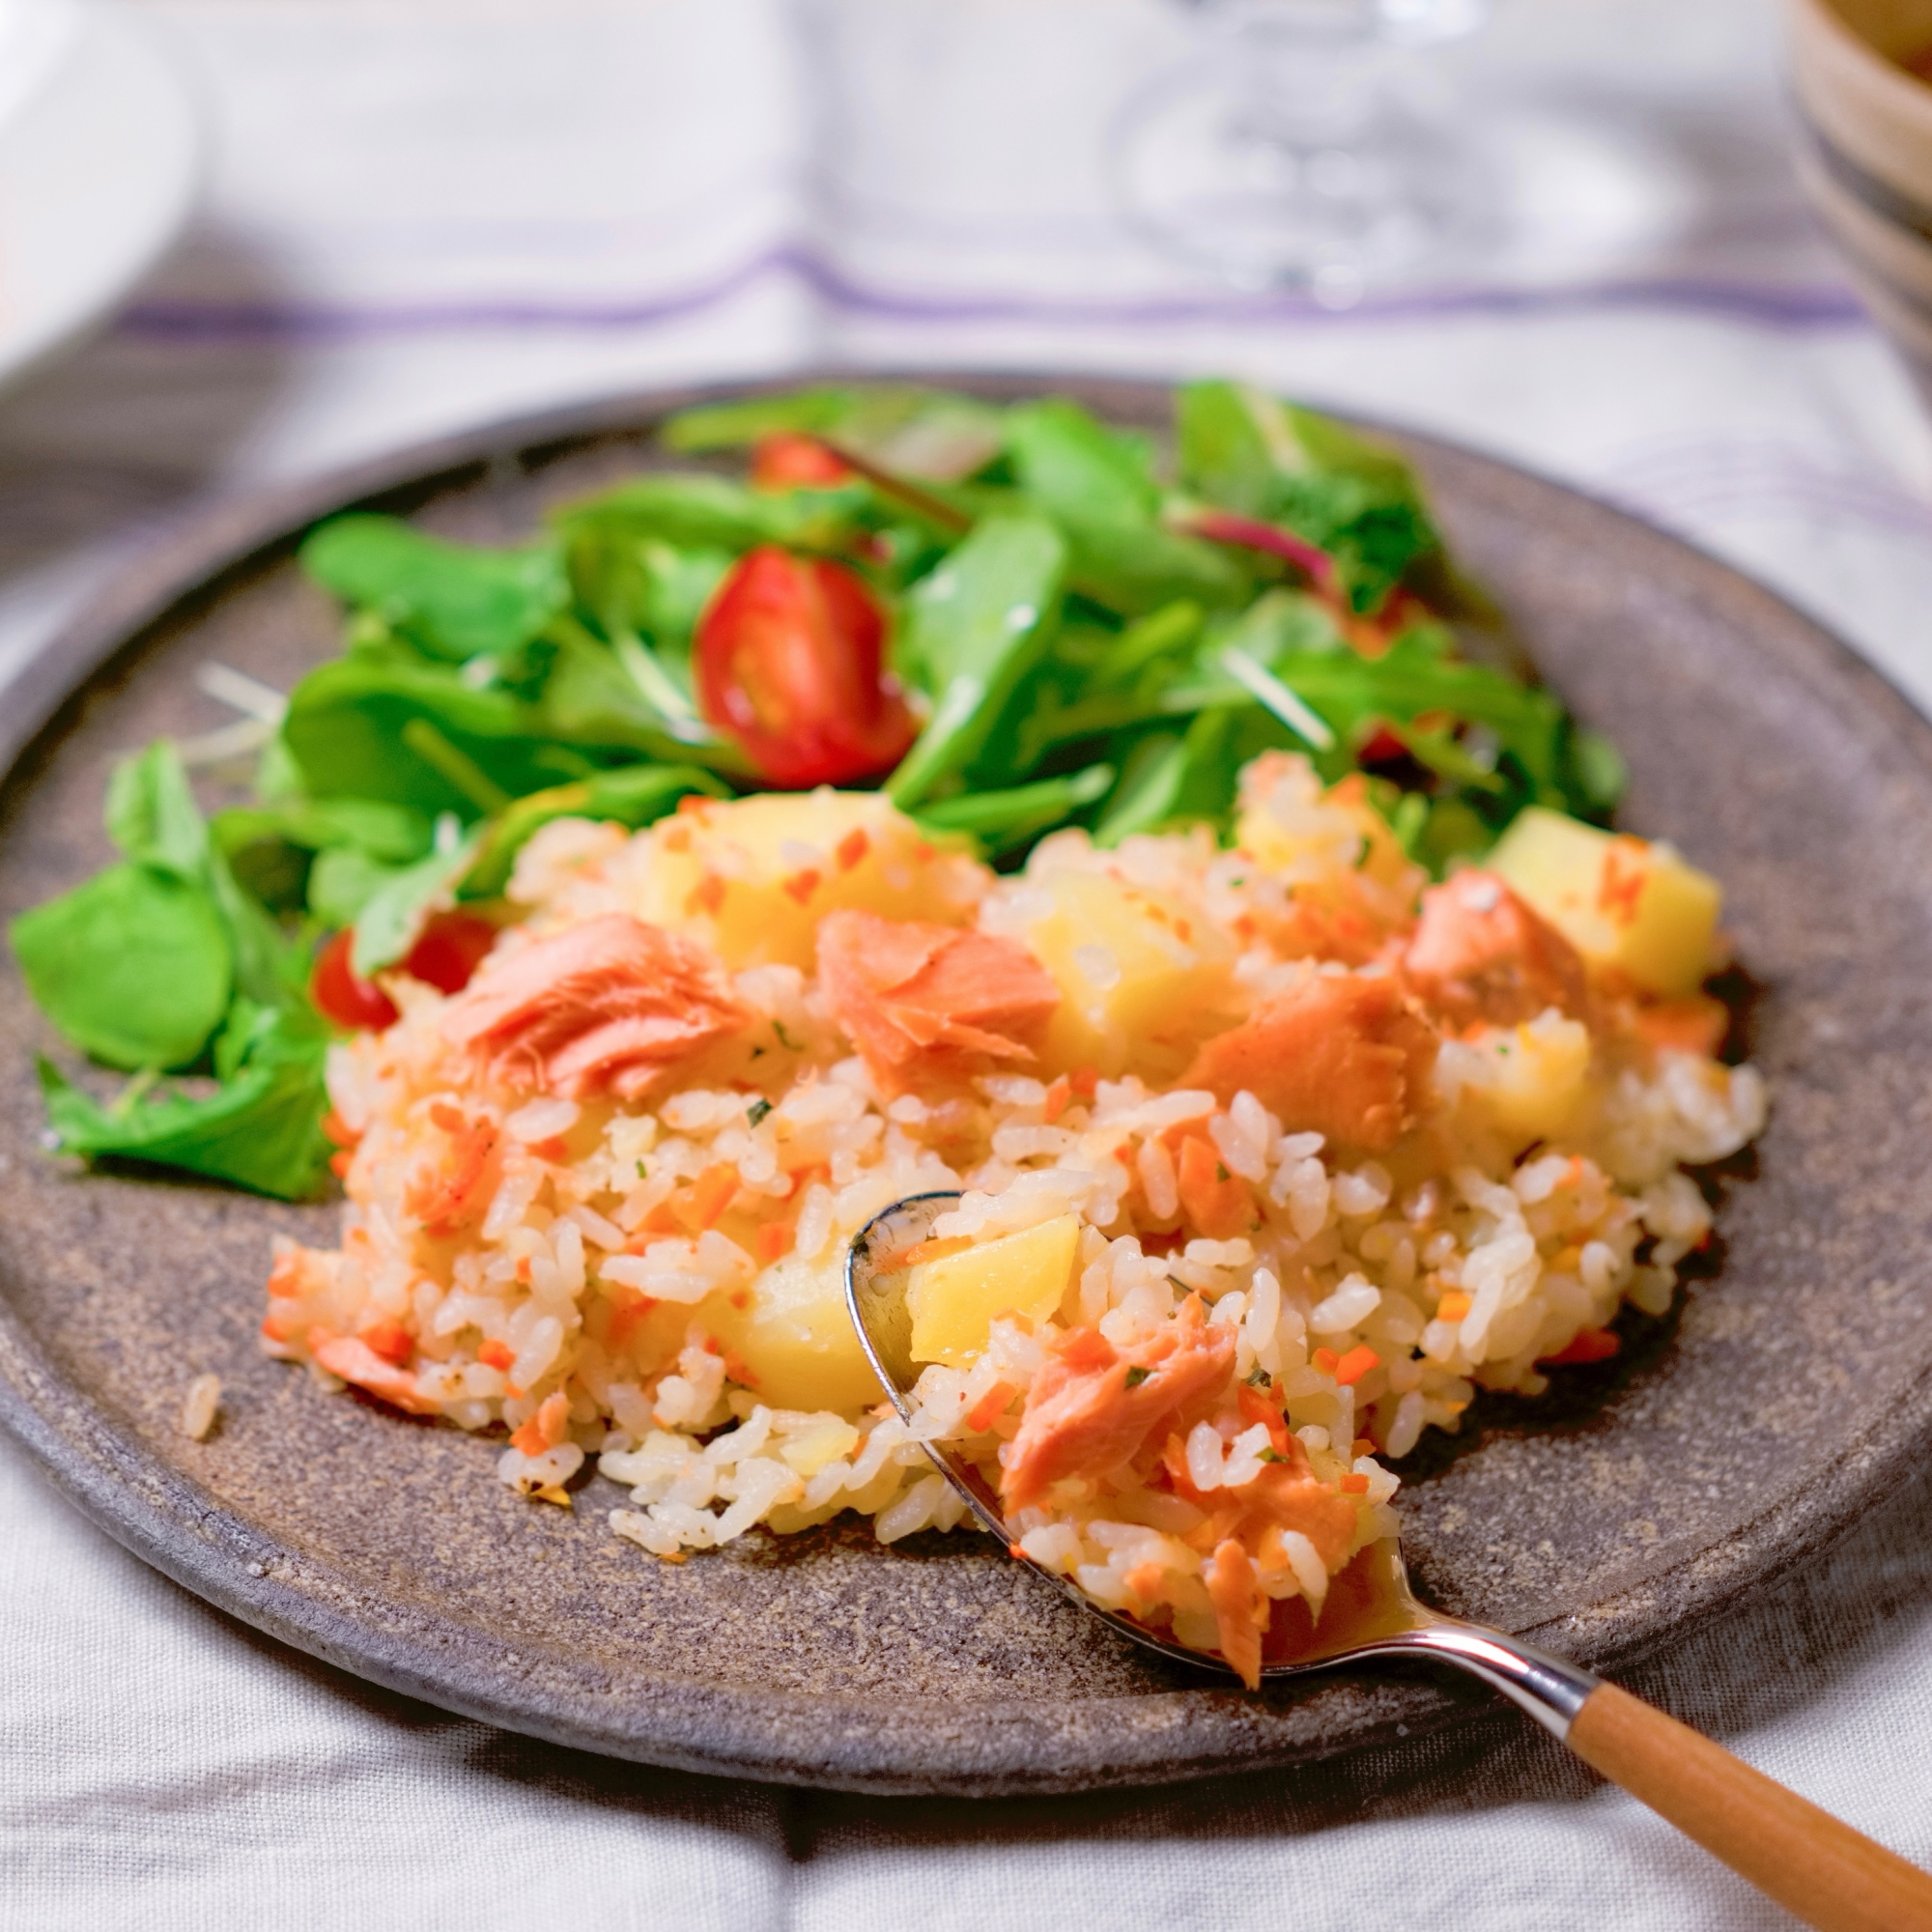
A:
<point x="340" y="996"/>
<point x="783" y="461"/>
<point x="790" y="661"/>
<point x="450" y="948"/>
<point x="448" y="951"/>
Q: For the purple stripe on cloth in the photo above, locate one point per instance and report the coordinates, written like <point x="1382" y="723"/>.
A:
<point x="1700" y="479"/>
<point x="1780" y="306"/>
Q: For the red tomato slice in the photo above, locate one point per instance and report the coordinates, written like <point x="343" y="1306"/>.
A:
<point x="340" y="996"/>
<point x="448" y="951"/>
<point x="790" y="661"/>
<point x="450" y="948"/>
<point x="784" y="461"/>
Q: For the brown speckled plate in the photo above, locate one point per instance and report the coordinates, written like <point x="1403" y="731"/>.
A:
<point x="1791" y="1388"/>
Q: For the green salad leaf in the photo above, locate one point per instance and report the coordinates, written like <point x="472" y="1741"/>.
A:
<point x="261" y="1128"/>
<point x="974" y="629"/>
<point x="453" y="601"/>
<point x="132" y="965"/>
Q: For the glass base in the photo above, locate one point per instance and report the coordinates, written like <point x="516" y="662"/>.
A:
<point x="1206" y="175"/>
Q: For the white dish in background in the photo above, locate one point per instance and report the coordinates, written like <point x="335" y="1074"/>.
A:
<point x="99" y="160"/>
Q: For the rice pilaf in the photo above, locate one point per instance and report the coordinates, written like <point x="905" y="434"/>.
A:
<point x="1269" y="1158"/>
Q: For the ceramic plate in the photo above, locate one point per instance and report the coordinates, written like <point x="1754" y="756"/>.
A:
<point x="1790" y="1389"/>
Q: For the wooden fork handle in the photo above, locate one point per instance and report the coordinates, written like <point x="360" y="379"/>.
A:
<point x="1814" y="1865"/>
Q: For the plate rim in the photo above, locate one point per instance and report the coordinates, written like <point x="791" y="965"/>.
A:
<point x="164" y="1517"/>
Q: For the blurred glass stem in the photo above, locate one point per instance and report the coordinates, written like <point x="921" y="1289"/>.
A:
<point x="1287" y="154"/>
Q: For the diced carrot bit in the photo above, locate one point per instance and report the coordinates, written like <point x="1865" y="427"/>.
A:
<point x="712" y="1345"/>
<point x="1591" y="1344"/>
<point x="391" y="1340"/>
<point x="553" y="1149"/>
<point x="1454" y="1305"/>
<point x="660" y="1220"/>
<point x="677" y="839"/>
<point x="934" y="1248"/>
<point x="1084" y="1080"/>
<point x="736" y="1370"/>
<point x="693" y="804"/>
<point x="852" y="848"/>
<point x="495" y="1354"/>
<point x="1356" y="1364"/>
<point x="1352" y="1485"/>
<point x="1145" y="1579"/>
<point x="1324" y="1359"/>
<point x="1361" y="1446"/>
<point x="990" y="1406"/>
<point x="1056" y="1098"/>
<point x="554" y="1418"/>
<point x="285" y="1277"/>
<point x="707" y="895"/>
<point x="451" y="1119"/>
<point x="1013" y="1549"/>
<point x="1217" y="1202"/>
<point x="624" y="1318"/>
<point x="340" y="1162"/>
<point x="1254" y="1406"/>
<point x="773" y="1239"/>
<point x="708" y="1196"/>
<point x="336" y="1129"/>
<point x="741" y="1298"/>
<point x="802" y="885"/>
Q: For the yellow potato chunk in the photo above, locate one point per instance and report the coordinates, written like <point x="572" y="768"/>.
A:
<point x="1530" y="1081"/>
<point x="1140" y="987"/>
<point x="1629" y="905"/>
<point x="954" y="1299"/>
<point x="754" y="877"/>
<point x="795" y="1335"/>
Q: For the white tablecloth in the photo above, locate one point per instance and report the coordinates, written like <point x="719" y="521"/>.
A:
<point x="426" y="215"/>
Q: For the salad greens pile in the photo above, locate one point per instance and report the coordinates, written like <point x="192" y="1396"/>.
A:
<point x="1090" y="630"/>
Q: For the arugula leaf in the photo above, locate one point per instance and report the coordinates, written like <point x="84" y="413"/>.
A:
<point x="1071" y="465"/>
<point x="974" y="629"/>
<point x="1004" y="820"/>
<point x="151" y="813"/>
<point x="392" y="916"/>
<point x="635" y="795"/>
<point x="261" y="1128"/>
<point x="1252" y="453"/>
<point x="1169" y="778"/>
<point x="453" y="601"/>
<point x="700" y="512"/>
<point x="416" y="735"/>
<point x="132" y="966"/>
<point x="932" y="434"/>
<point x="342" y="881"/>
<point x="277" y="850"/>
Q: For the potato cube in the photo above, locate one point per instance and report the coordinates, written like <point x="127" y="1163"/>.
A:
<point x="754" y="877"/>
<point x="1141" y="986"/>
<point x="1627" y="905"/>
<point x="796" y="1338"/>
<point x="954" y="1299"/>
<point x="1530" y="1081"/>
